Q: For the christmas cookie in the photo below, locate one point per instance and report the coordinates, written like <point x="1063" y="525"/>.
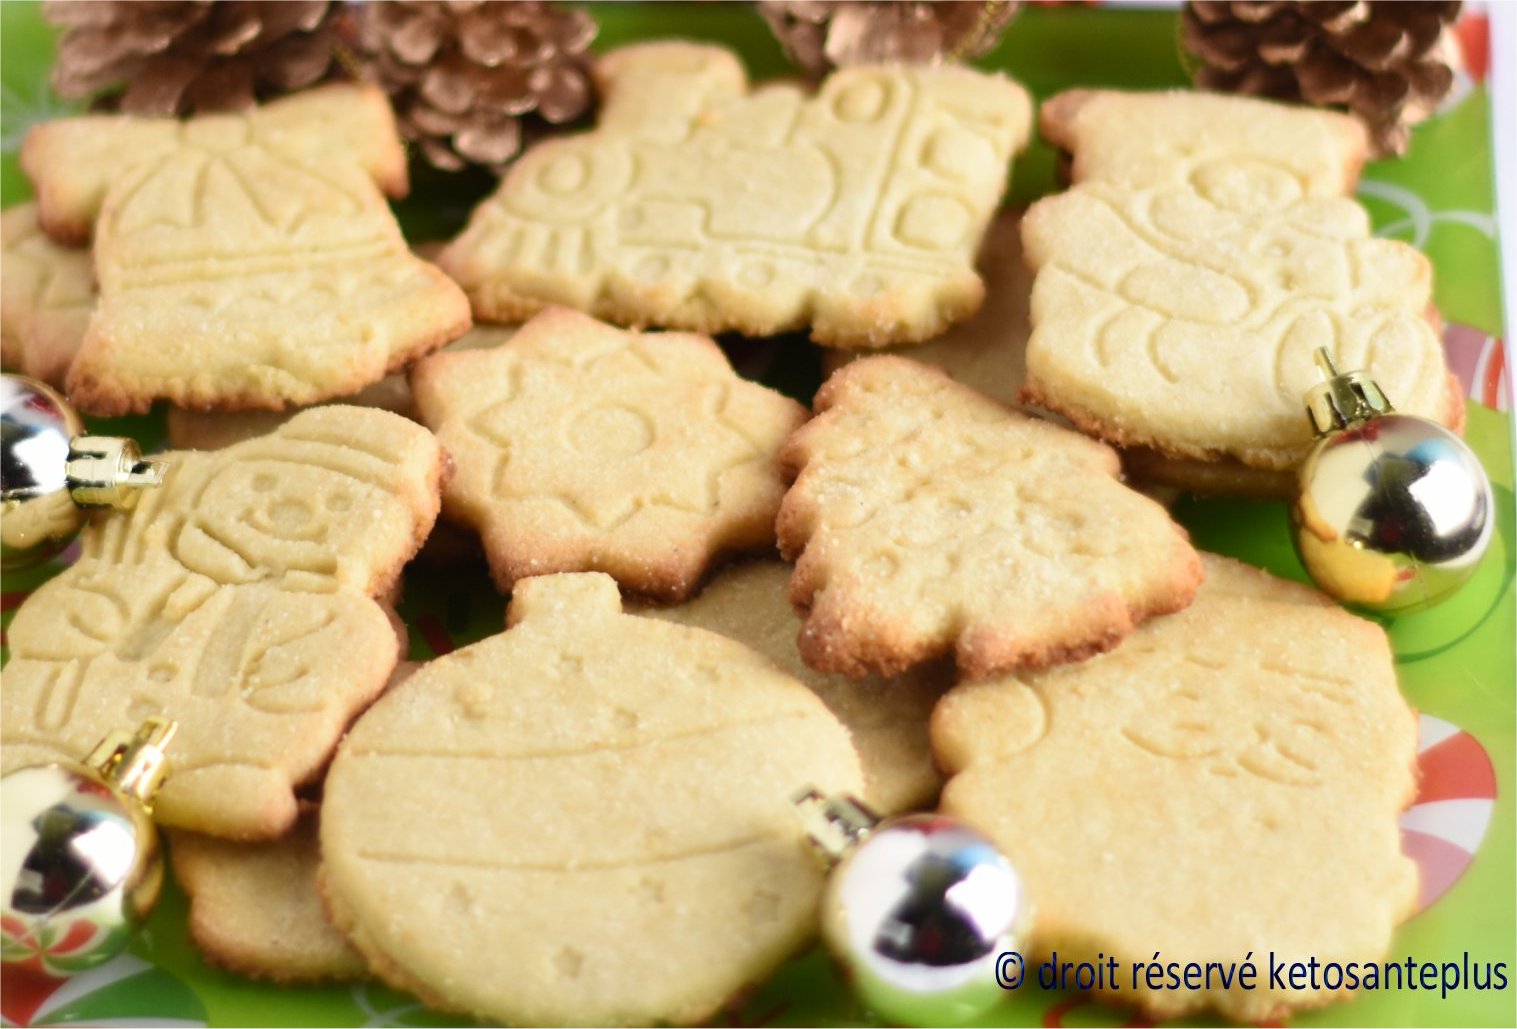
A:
<point x="212" y="430"/>
<point x="593" y="808"/>
<point x="46" y="295"/>
<point x="255" y="909"/>
<point x="698" y="204"/>
<point x="244" y="261"/>
<point x="1187" y="278"/>
<point x="237" y="599"/>
<point x="887" y="717"/>
<point x="926" y="519"/>
<point x="988" y="352"/>
<point x="578" y="447"/>
<point x="1225" y="783"/>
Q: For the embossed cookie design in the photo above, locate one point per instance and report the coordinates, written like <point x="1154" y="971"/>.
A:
<point x="1187" y="278"/>
<point x="580" y="447"/>
<point x="926" y="519"/>
<point x="243" y="260"/>
<point x="750" y="603"/>
<point x="46" y="295"/>
<point x="596" y="802"/>
<point x="238" y="600"/>
<point x="1226" y="781"/>
<point x="697" y="204"/>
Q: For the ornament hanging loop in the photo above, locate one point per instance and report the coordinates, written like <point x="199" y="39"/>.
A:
<point x="134" y="763"/>
<point x="1342" y="399"/>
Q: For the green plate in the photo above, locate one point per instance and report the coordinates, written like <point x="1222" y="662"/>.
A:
<point x="1456" y="662"/>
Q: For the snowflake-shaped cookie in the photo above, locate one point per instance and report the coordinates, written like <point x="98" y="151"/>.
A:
<point x="46" y="295"/>
<point x="928" y="519"/>
<point x="580" y="447"/>
<point x="1228" y="780"/>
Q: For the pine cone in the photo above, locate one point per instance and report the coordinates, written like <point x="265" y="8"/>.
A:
<point x="820" y="35"/>
<point x="175" y="57"/>
<point x="462" y="74"/>
<point x="1387" y="63"/>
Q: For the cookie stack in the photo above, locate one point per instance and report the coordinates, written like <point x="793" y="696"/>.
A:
<point x="585" y="817"/>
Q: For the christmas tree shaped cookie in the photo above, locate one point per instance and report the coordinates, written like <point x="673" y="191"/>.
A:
<point x="580" y="447"/>
<point x="697" y="204"/>
<point x="595" y="803"/>
<point x="926" y="519"/>
<point x="239" y="600"/>
<point x="1185" y="281"/>
<point x="243" y="260"/>
<point x="1222" y="787"/>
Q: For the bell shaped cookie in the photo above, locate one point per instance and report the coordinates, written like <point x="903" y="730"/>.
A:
<point x="582" y="821"/>
<point x="244" y="260"/>
<point x="1222" y="787"/>
<point x="1187" y="278"/>
<point x="926" y="519"/>
<point x="240" y="600"/>
<point x="700" y="204"/>
<point x="578" y="446"/>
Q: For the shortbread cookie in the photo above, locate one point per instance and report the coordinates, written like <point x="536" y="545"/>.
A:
<point x="1224" y="784"/>
<point x="580" y="447"/>
<point x="1186" y="280"/>
<point x="887" y="717"/>
<point x="238" y="600"/>
<point x="697" y="204"/>
<point x="212" y="430"/>
<point x="583" y="821"/>
<point x="244" y="260"/>
<point x="46" y="295"/>
<point x="988" y="352"/>
<point x="927" y="519"/>
<point x="255" y="909"/>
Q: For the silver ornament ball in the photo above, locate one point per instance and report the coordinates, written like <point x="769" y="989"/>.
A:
<point x="51" y="473"/>
<point x="918" y="912"/>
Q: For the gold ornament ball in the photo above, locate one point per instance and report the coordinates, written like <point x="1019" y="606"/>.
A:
<point x="79" y="853"/>
<point x="1392" y="514"/>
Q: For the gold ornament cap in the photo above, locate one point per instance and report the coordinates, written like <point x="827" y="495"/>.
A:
<point x="835" y="825"/>
<point x="1343" y="398"/>
<point x="109" y="471"/>
<point x="134" y="763"/>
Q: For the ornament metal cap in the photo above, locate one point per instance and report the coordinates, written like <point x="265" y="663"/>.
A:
<point x="1343" y="398"/>
<point x="109" y="471"/>
<point x="835" y="825"/>
<point x="134" y="763"/>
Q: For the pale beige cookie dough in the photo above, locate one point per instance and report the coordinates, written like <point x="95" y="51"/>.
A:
<point x="750" y="603"/>
<point x="582" y="821"/>
<point x="578" y="446"/>
<point x="700" y="204"/>
<point x="1207" y="249"/>
<point x="239" y="600"/>
<point x="212" y="430"/>
<point x="255" y="909"/>
<point x="1225" y="783"/>
<point x="46" y="295"/>
<point x="244" y="260"/>
<point x="927" y="520"/>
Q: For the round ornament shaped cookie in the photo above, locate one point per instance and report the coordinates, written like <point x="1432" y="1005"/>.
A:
<point x="584" y="820"/>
